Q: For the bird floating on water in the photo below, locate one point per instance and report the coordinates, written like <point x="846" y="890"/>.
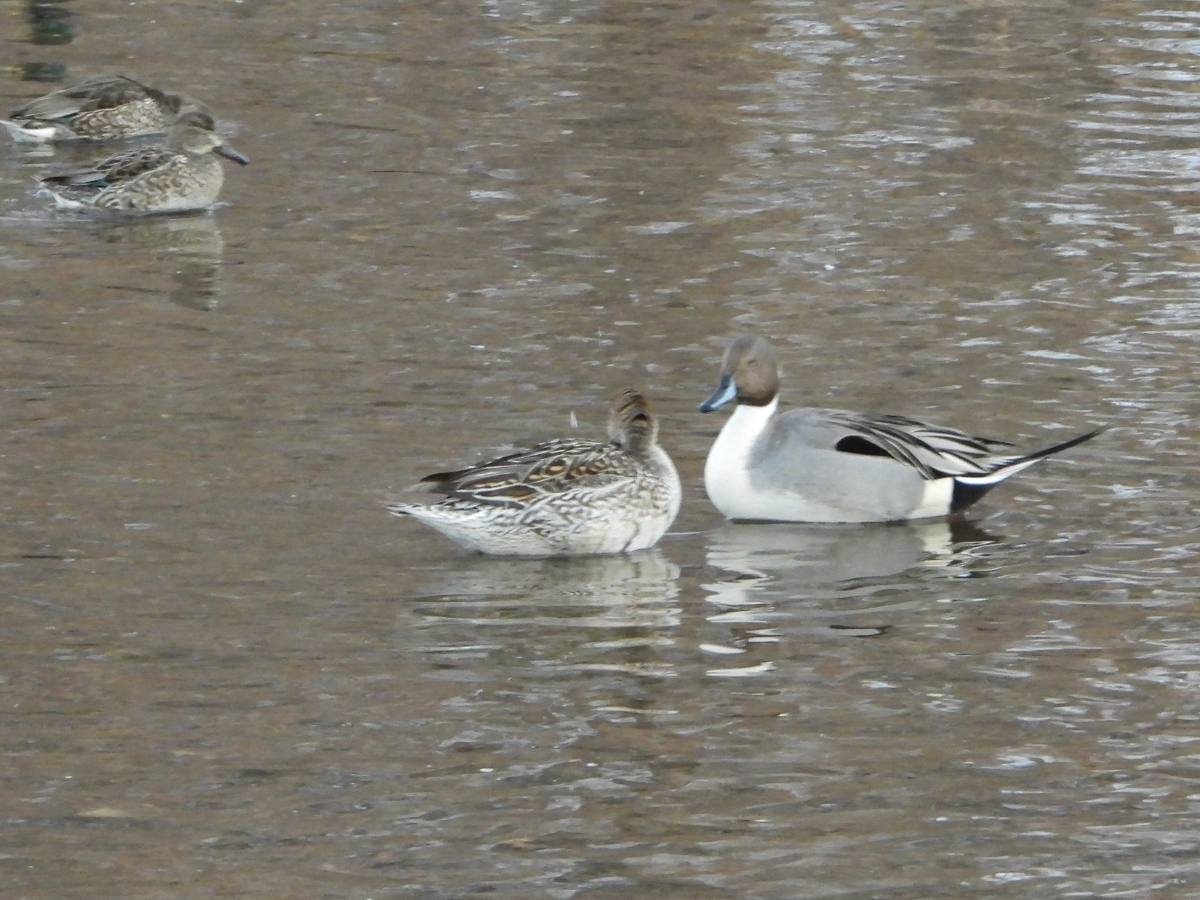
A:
<point x="106" y="108"/>
<point x="564" y="497"/>
<point x="829" y="465"/>
<point x="181" y="175"/>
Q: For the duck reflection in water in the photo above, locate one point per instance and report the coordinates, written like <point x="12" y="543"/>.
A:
<point x="820" y="580"/>
<point x="779" y="562"/>
<point x="614" y="613"/>
<point x="187" y="250"/>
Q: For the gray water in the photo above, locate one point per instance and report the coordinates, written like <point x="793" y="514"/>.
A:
<point x="226" y="672"/>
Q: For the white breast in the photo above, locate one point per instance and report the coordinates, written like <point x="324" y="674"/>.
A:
<point x="726" y="471"/>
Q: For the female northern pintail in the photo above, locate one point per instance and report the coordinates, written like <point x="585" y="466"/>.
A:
<point x="180" y="176"/>
<point x="108" y="108"/>
<point x="564" y="497"/>
<point x="828" y="465"/>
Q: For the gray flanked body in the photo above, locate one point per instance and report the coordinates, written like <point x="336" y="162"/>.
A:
<point x="107" y="108"/>
<point x="182" y="175"/>
<point x="829" y="465"/>
<point x="564" y="497"/>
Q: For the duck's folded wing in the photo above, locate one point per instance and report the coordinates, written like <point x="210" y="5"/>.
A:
<point x="85" y="174"/>
<point x="129" y="165"/>
<point x="935" y="452"/>
<point x="121" y="167"/>
<point x="552" y="467"/>
<point x="105" y="92"/>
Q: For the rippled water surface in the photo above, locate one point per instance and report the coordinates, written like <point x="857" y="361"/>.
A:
<point x="226" y="672"/>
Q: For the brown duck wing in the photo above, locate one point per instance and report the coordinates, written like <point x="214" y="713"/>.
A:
<point x="121" y="167"/>
<point x="549" y="468"/>
<point x="105" y="92"/>
<point x="129" y="165"/>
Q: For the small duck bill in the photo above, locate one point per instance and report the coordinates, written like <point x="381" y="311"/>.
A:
<point x="726" y="391"/>
<point x="229" y="153"/>
<point x="835" y="466"/>
<point x="562" y="498"/>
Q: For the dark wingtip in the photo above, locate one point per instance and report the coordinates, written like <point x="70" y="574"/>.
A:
<point x="437" y="483"/>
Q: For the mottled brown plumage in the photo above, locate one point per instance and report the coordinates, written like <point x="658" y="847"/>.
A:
<point x="563" y="496"/>
<point x="177" y="176"/>
<point x="106" y="108"/>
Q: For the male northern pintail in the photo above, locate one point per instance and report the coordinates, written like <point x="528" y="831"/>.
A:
<point x="179" y="176"/>
<point x="107" y="108"/>
<point x="828" y="465"/>
<point x="562" y="498"/>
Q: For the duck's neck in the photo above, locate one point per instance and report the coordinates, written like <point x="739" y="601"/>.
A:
<point x="744" y="427"/>
<point x="727" y="469"/>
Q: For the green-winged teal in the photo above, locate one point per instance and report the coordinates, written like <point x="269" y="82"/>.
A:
<point x="562" y="498"/>
<point x="829" y="465"/>
<point x="107" y="108"/>
<point x="180" y="176"/>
